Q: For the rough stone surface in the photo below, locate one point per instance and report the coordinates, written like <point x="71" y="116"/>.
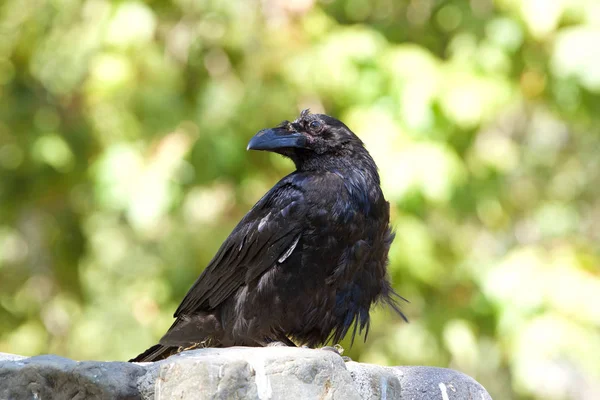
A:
<point x="252" y="373"/>
<point x="10" y="357"/>
<point x="439" y="383"/>
<point x="53" y="377"/>
<point x="376" y="382"/>
<point x="233" y="373"/>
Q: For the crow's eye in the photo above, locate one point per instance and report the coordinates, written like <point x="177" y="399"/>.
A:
<point x="315" y="125"/>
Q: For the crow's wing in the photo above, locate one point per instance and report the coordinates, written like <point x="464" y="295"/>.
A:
<point x="268" y="233"/>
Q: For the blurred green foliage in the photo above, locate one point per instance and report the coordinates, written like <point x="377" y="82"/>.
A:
<point x="123" y="128"/>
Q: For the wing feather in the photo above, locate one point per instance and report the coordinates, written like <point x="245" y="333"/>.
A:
<point x="265" y="234"/>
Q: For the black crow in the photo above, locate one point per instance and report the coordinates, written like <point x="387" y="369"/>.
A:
<point x="309" y="259"/>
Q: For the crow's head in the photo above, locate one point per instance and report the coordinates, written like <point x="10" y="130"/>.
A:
<point x="309" y="136"/>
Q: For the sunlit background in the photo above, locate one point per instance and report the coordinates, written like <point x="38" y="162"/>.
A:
<point x="123" y="129"/>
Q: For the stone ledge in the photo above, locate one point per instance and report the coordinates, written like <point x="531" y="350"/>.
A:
<point x="232" y="373"/>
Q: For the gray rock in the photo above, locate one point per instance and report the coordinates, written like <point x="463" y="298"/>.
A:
<point x="421" y="383"/>
<point x="376" y="382"/>
<point x="255" y="373"/>
<point x="53" y="377"/>
<point x="233" y="373"/>
<point x="10" y="357"/>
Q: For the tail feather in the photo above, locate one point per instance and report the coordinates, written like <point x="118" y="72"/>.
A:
<point x="391" y="298"/>
<point x="155" y="353"/>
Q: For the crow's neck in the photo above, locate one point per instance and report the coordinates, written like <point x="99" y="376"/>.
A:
<point x="346" y="165"/>
<point x="359" y="175"/>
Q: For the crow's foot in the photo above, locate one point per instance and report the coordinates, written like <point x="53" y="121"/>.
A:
<point x="337" y="349"/>
<point x="277" y="344"/>
<point x="192" y="347"/>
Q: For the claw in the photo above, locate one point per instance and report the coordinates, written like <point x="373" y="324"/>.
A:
<point x="333" y="349"/>
<point x="276" y="344"/>
<point x="337" y="349"/>
<point x="193" y="346"/>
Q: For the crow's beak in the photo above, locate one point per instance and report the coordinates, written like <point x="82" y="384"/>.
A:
<point x="276" y="138"/>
